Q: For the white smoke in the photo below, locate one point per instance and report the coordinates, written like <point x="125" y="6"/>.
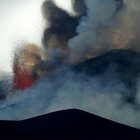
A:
<point x="99" y="15"/>
<point x="123" y="31"/>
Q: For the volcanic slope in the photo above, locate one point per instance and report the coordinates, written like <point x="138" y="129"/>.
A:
<point x="123" y="65"/>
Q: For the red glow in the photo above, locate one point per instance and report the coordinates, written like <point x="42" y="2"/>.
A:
<point x="22" y="79"/>
<point x="24" y="60"/>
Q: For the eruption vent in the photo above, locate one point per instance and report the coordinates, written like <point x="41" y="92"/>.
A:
<point x="25" y="59"/>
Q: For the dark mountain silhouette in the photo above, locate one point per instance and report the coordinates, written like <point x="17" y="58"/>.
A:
<point x="68" y="124"/>
<point x="125" y="60"/>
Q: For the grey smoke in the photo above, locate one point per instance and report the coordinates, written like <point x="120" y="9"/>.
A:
<point x="107" y="29"/>
<point x="66" y="90"/>
<point x="79" y="6"/>
<point x="100" y="13"/>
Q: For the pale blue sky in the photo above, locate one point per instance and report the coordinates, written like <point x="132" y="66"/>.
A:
<point x="21" y="20"/>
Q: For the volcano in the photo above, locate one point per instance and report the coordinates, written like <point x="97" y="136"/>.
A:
<point x="124" y="64"/>
<point x="77" y="66"/>
<point x="117" y="65"/>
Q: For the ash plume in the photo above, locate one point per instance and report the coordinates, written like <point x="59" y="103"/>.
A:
<point x="61" y="26"/>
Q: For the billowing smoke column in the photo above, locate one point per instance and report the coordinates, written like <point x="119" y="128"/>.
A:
<point x="61" y="27"/>
<point x="76" y="35"/>
<point x="97" y="26"/>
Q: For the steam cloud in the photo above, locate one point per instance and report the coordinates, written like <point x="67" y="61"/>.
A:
<point x="97" y="27"/>
<point x="99" y="15"/>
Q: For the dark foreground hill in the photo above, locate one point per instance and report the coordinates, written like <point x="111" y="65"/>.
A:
<point x="69" y="124"/>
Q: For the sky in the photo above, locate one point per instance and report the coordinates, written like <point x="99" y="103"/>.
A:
<point x="21" y="21"/>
